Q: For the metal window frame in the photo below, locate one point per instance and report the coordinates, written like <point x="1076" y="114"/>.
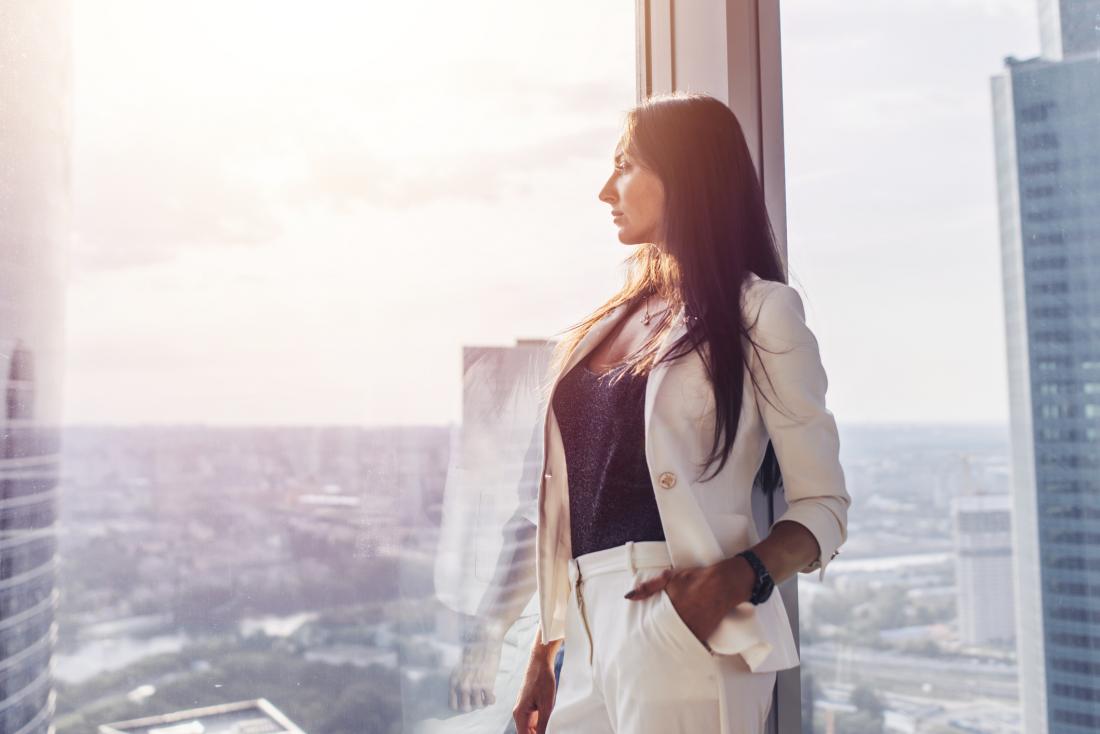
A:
<point x="731" y="50"/>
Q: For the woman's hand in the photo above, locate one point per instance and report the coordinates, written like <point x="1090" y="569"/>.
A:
<point x="473" y="678"/>
<point x="536" y="695"/>
<point x="703" y="595"/>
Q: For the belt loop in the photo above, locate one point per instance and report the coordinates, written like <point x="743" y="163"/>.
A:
<point x="630" y="557"/>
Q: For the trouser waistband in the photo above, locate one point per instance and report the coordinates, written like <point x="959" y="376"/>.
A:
<point x="629" y="556"/>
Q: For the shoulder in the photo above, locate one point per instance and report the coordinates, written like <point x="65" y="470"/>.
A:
<point x="770" y="299"/>
<point x="774" y="310"/>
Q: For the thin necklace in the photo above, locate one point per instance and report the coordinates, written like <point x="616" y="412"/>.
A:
<point x="648" y="315"/>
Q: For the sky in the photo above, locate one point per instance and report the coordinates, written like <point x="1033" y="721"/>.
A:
<point x="291" y="213"/>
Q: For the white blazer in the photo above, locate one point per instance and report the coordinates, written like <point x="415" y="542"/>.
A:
<point x="705" y="522"/>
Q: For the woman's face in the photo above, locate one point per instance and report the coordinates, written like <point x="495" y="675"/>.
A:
<point x="637" y="200"/>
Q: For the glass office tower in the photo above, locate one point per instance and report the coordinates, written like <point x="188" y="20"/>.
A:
<point x="35" y="125"/>
<point x="1047" y="133"/>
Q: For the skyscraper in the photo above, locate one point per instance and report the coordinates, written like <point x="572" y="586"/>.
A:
<point x="35" y="125"/>
<point x="1047" y="137"/>
<point x="983" y="568"/>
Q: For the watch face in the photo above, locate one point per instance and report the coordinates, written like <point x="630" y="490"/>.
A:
<point x="765" y="592"/>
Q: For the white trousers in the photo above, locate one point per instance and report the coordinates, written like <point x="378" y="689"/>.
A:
<point x="635" y="667"/>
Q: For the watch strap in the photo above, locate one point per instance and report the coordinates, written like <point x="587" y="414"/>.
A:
<point x="763" y="585"/>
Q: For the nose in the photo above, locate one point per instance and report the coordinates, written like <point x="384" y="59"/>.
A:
<point x="607" y="193"/>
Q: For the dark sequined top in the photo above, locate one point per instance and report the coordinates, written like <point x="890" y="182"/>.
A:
<point x="602" y="423"/>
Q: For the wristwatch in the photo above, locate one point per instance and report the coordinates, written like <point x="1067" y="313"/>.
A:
<point x="764" y="584"/>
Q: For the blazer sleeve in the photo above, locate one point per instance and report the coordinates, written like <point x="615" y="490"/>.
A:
<point x="790" y="394"/>
<point x="514" y="581"/>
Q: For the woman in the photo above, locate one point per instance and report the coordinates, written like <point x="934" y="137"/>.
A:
<point x="651" y="572"/>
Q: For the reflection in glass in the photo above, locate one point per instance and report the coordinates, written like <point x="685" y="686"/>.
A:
<point x="34" y="207"/>
<point x="484" y="610"/>
<point x="284" y="241"/>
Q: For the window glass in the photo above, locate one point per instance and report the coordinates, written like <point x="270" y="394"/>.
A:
<point x="942" y="169"/>
<point x="319" y="252"/>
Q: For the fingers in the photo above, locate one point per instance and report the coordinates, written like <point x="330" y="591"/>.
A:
<point x="650" y="586"/>
<point x="465" y="695"/>
<point x="532" y="710"/>
<point x="455" y="688"/>
<point x="535" y="721"/>
<point x="545" y="704"/>
<point x="528" y="721"/>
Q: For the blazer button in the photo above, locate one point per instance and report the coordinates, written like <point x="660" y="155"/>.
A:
<point x="548" y="475"/>
<point x="667" y="480"/>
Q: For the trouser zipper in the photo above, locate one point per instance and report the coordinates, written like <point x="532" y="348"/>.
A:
<point x="584" y="614"/>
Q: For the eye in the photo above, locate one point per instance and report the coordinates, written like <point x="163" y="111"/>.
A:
<point x="621" y="166"/>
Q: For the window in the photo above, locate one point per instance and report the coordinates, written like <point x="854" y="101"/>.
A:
<point x="270" y="414"/>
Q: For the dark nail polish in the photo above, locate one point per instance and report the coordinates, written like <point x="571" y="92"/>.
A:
<point x="630" y="594"/>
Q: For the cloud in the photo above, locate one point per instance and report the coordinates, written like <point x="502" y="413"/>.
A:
<point x="141" y="216"/>
<point x="185" y="153"/>
<point x="149" y="203"/>
<point x="342" y="176"/>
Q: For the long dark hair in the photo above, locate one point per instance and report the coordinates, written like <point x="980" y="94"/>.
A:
<point x="716" y="231"/>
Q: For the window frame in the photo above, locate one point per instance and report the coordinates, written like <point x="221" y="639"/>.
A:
<point x="680" y="47"/>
